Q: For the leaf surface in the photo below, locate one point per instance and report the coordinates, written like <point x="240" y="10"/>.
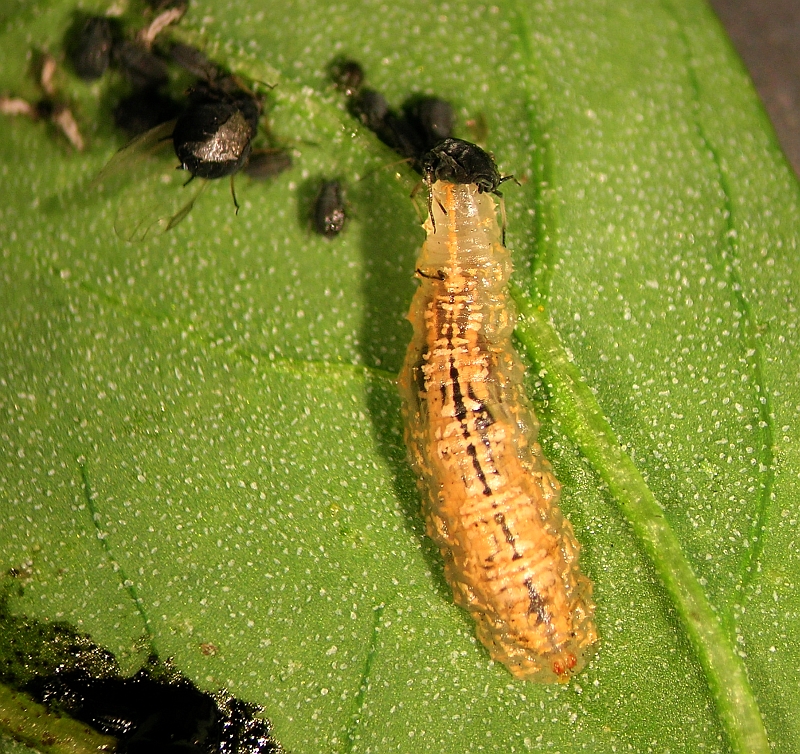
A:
<point x="201" y="441"/>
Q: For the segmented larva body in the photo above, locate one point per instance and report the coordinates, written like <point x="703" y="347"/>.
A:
<point x="489" y="497"/>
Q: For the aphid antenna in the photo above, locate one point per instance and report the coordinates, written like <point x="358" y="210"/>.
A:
<point x="428" y="182"/>
<point x="269" y="87"/>
<point x="387" y="166"/>
<point x="439" y="275"/>
<point x="233" y="195"/>
<point x="413" y="196"/>
<point x="502" y="203"/>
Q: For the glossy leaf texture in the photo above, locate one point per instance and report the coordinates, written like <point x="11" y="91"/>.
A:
<point x="200" y="434"/>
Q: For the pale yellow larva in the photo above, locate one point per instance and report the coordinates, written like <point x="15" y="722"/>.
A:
<point x="489" y="497"/>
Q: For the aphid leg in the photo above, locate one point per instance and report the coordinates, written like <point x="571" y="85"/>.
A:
<point x="417" y="186"/>
<point x="233" y="195"/>
<point x="62" y="116"/>
<point x="191" y="177"/>
<point x="413" y="196"/>
<point x="430" y="200"/>
<point x="502" y="204"/>
<point x="387" y="167"/>
<point x="47" y="75"/>
<point x="439" y="275"/>
<point x="17" y="106"/>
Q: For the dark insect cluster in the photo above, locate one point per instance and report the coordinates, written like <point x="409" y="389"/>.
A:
<point x="156" y="711"/>
<point x="173" y="96"/>
<point x="94" y="44"/>
<point x="422" y="133"/>
<point x="422" y="122"/>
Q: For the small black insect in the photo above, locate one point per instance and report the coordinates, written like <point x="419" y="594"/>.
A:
<point x="459" y="161"/>
<point x="267" y="163"/>
<point x="213" y="137"/>
<point x="347" y="75"/>
<point x="425" y="121"/>
<point x="371" y="108"/>
<point x="432" y="118"/>
<point x="89" y="46"/>
<point x="143" y="110"/>
<point x="329" y="210"/>
<point x="142" y="68"/>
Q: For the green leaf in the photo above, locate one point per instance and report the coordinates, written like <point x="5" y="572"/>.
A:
<point x="201" y="438"/>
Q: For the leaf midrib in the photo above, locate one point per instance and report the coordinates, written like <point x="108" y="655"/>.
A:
<point x="588" y="427"/>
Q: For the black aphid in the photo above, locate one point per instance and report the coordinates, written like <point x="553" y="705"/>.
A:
<point x="194" y="62"/>
<point x="432" y="118"/>
<point x="144" y="110"/>
<point x="89" y="46"/>
<point x="213" y="137"/>
<point x="329" y="210"/>
<point x="142" y="68"/>
<point x="423" y="122"/>
<point x="371" y="108"/>
<point x="459" y="161"/>
<point x="267" y="163"/>
<point x="347" y="75"/>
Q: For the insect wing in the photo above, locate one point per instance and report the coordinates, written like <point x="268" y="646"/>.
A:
<point x="148" y="144"/>
<point x="151" y="195"/>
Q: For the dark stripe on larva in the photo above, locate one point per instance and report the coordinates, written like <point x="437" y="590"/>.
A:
<point x="537" y="606"/>
<point x="460" y="411"/>
<point x="458" y="400"/>
<point x="501" y="520"/>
